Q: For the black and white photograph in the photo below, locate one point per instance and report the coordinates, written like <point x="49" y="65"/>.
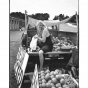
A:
<point x="44" y="44"/>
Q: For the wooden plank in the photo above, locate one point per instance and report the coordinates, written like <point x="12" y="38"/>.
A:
<point x="28" y="74"/>
<point x="27" y="81"/>
<point x="52" y="53"/>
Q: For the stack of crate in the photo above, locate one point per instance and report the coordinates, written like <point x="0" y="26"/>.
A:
<point x="35" y="83"/>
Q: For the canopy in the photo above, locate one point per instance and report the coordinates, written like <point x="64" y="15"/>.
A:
<point x="68" y="28"/>
<point x="63" y="26"/>
<point x="32" y="22"/>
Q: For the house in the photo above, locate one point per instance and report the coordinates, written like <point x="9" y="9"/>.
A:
<point x="16" y="23"/>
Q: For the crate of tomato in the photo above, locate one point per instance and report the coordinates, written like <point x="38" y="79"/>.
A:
<point x="52" y="79"/>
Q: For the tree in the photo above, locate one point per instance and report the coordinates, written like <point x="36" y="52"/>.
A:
<point x="55" y="18"/>
<point x="18" y="15"/>
<point x="61" y="17"/>
<point x="46" y="16"/>
<point x="73" y="19"/>
<point x="66" y="17"/>
<point x="40" y="16"/>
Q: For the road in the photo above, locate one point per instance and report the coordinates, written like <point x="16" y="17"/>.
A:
<point x="15" y="41"/>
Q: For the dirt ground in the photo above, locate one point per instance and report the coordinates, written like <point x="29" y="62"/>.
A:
<point x="15" y="41"/>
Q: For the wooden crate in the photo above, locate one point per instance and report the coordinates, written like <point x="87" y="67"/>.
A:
<point x="35" y="83"/>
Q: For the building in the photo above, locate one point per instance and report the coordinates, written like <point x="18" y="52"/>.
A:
<point x="16" y="23"/>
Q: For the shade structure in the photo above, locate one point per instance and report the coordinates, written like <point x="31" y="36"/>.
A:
<point x="63" y="25"/>
<point x="67" y="27"/>
<point x="32" y="22"/>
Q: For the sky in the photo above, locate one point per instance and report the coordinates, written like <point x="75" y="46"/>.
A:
<point x="52" y="7"/>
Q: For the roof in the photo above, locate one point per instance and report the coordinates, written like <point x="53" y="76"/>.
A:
<point x="68" y="28"/>
<point x="16" y="18"/>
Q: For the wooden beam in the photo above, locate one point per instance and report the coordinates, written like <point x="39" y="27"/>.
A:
<point x="52" y="53"/>
<point x="77" y="29"/>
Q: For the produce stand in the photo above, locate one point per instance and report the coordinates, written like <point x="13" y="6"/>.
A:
<point x="26" y="66"/>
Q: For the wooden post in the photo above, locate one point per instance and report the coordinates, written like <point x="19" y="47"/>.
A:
<point x="25" y="20"/>
<point x="77" y="22"/>
<point x="26" y="28"/>
<point x="77" y="30"/>
<point x="58" y="29"/>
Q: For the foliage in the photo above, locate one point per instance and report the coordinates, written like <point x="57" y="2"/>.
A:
<point x="38" y="16"/>
<point x="63" y="17"/>
<point x="18" y="15"/>
<point x="60" y="17"/>
<point x="44" y="16"/>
